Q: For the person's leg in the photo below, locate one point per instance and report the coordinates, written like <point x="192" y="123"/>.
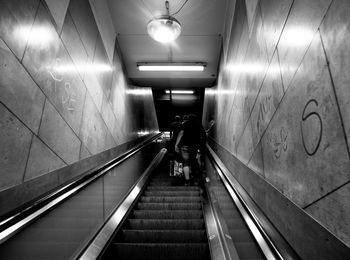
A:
<point x="187" y="172"/>
<point x="186" y="161"/>
<point x="171" y="168"/>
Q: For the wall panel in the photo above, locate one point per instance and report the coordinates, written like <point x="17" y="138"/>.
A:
<point x="281" y="107"/>
<point x="62" y="99"/>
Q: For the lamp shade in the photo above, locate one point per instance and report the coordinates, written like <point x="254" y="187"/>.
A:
<point x="164" y="29"/>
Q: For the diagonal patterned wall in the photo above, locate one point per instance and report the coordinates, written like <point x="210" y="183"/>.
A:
<point x="282" y="103"/>
<point x="63" y="97"/>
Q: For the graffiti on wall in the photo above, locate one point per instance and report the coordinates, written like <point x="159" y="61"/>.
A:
<point x="279" y="142"/>
<point x="68" y="96"/>
<point x="265" y="107"/>
<point x="311" y="143"/>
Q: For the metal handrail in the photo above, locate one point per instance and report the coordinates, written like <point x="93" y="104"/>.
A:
<point x="220" y="243"/>
<point x="262" y="239"/>
<point x="13" y="224"/>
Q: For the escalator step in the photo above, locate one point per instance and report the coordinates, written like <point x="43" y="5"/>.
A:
<point x="175" y="188"/>
<point x="162" y="183"/>
<point x="168" y="206"/>
<point x="162" y="236"/>
<point x="165" y="224"/>
<point x="170" y="199"/>
<point x="248" y="250"/>
<point x="198" y="251"/>
<point x="171" y="193"/>
<point x="168" y="214"/>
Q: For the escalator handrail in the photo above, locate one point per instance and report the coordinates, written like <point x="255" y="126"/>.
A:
<point x="18" y="221"/>
<point x="267" y="246"/>
<point x="96" y="246"/>
<point x="220" y="243"/>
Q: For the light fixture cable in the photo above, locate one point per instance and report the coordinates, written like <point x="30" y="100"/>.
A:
<point x="167" y="8"/>
<point x="180" y="8"/>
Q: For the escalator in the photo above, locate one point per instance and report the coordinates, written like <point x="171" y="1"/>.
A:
<point x="125" y="214"/>
<point x="166" y="223"/>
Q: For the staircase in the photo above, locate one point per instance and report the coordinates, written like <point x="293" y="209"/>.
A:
<point x="166" y="223"/>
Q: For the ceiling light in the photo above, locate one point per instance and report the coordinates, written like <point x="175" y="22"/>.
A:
<point x="171" y="66"/>
<point x="164" y="28"/>
<point x="179" y="92"/>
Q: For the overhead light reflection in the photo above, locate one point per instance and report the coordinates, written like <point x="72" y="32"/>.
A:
<point x="138" y="92"/>
<point x="297" y="36"/>
<point x="212" y="92"/>
<point x="142" y="133"/>
<point x="254" y="68"/>
<point x="39" y="35"/>
<point x="245" y="68"/>
<point x="98" y="68"/>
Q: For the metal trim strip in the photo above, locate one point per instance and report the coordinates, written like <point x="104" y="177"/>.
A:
<point x="264" y="242"/>
<point x="220" y="242"/>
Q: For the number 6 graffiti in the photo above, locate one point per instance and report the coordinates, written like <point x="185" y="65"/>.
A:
<point x="304" y="118"/>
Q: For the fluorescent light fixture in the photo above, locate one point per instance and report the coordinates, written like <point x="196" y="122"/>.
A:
<point x="180" y="92"/>
<point x="171" y="67"/>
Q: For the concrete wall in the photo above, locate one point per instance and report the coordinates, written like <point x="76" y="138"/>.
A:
<point x="62" y="96"/>
<point x="281" y="106"/>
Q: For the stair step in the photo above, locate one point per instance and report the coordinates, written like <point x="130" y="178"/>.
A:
<point x="170" y="199"/>
<point x="162" y="183"/>
<point x="168" y="214"/>
<point x="171" y="193"/>
<point x="165" y="224"/>
<point x="168" y="206"/>
<point x="162" y="236"/>
<point x="161" y="177"/>
<point x="183" y="251"/>
<point x="171" y="188"/>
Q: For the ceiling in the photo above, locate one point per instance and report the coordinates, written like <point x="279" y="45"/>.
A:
<point x="202" y="23"/>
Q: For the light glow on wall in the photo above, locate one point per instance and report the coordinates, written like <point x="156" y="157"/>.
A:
<point x="39" y="36"/>
<point x="91" y="68"/>
<point x="142" y="133"/>
<point x="255" y="68"/>
<point x="213" y="92"/>
<point x="297" y="36"/>
<point x="139" y="92"/>
<point x="249" y="68"/>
